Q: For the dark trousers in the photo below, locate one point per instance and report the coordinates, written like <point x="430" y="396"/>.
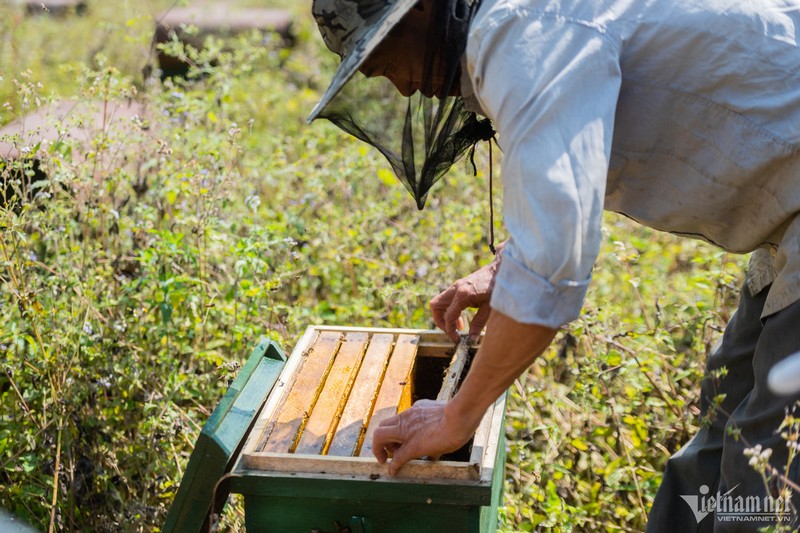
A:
<point x="714" y="463"/>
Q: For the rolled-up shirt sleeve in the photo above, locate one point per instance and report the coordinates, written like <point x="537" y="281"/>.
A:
<point x="550" y="85"/>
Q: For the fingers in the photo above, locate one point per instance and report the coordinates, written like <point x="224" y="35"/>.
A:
<point x="472" y="291"/>
<point x="382" y="454"/>
<point x="439" y="304"/>
<point x="451" y="318"/>
<point x="443" y="307"/>
<point x="419" y="431"/>
<point x="446" y="309"/>
<point x="390" y="439"/>
<point x="479" y="321"/>
<point x="395" y="436"/>
<point x="387" y="437"/>
<point x="400" y="457"/>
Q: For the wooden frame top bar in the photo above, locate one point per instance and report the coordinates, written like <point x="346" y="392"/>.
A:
<point x="428" y="343"/>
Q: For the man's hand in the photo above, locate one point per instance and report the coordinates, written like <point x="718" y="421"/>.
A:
<point x="432" y="428"/>
<point x="423" y="430"/>
<point x="473" y="291"/>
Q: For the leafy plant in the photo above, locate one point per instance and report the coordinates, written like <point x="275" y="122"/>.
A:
<point x="138" y="275"/>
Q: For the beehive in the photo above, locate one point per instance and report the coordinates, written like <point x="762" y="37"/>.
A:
<point x="307" y="464"/>
<point x="218" y="19"/>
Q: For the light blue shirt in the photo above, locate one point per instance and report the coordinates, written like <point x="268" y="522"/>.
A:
<point x="682" y="114"/>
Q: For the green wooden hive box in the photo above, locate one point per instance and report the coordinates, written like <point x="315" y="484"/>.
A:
<point x="304" y="461"/>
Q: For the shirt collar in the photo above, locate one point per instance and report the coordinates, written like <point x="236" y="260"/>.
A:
<point x="468" y="91"/>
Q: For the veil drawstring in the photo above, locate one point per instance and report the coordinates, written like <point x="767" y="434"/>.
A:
<point x="491" y="189"/>
<point x="491" y="203"/>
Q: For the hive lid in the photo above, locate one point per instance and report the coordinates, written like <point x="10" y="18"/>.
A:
<point x="221" y="439"/>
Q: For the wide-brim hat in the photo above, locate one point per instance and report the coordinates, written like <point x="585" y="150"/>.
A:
<point x="353" y="29"/>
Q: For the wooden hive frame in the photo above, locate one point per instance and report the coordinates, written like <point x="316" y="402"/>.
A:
<point x="292" y="436"/>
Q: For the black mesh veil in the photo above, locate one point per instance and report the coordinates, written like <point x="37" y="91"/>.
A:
<point x="421" y="136"/>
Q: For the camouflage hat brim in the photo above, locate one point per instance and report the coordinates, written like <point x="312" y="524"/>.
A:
<point x="362" y="48"/>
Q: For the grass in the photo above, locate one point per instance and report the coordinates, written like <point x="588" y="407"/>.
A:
<point x="136" y="279"/>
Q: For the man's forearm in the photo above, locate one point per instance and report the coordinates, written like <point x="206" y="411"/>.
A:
<point x="508" y="348"/>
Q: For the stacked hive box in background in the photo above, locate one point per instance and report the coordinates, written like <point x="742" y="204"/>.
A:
<point x="218" y="19"/>
<point x="54" y="7"/>
<point x="67" y="129"/>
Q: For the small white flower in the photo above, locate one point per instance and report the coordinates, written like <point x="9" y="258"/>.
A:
<point x="253" y="201"/>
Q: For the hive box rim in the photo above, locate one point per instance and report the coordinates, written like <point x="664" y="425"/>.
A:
<point x="476" y="473"/>
<point x="384" y="488"/>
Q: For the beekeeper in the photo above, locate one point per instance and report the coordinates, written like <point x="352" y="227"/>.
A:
<point x="683" y="115"/>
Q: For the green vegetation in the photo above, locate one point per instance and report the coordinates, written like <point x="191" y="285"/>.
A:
<point x="138" y="277"/>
